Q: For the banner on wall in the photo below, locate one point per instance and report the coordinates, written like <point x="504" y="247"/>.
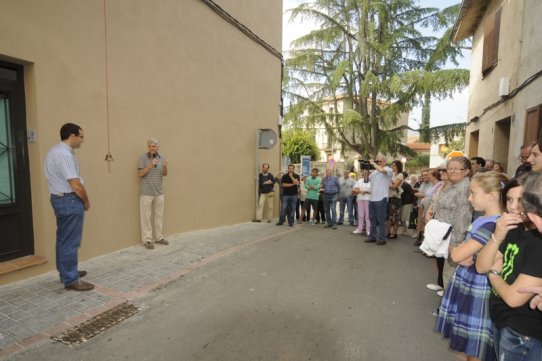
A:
<point x="285" y="162"/>
<point x="305" y="165"/>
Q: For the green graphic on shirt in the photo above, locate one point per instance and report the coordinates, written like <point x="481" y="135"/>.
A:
<point x="510" y="254"/>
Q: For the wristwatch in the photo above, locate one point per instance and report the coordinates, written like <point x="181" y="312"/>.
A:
<point x="495" y="272"/>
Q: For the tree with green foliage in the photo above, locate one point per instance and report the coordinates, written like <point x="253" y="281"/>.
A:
<point x="420" y="161"/>
<point x="296" y="143"/>
<point x="456" y="144"/>
<point x="370" y="58"/>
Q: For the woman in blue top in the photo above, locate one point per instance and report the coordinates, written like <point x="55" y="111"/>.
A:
<point x="464" y="313"/>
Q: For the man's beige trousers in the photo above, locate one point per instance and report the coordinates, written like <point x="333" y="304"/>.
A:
<point x="265" y="198"/>
<point x="151" y="206"/>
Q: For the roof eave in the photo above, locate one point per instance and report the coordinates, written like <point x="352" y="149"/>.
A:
<point x="469" y="18"/>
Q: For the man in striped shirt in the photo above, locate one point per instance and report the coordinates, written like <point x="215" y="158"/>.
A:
<point x="152" y="167"/>
<point x="70" y="201"/>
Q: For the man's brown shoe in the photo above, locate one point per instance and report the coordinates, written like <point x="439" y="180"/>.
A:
<point x="82" y="273"/>
<point x="80" y="286"/>
<point x="162" y="241"/>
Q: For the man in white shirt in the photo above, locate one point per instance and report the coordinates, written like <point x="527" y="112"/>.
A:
<point x="378" y="203"/>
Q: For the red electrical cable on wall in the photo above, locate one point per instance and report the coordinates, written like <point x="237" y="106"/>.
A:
<point x="108" y="156"/>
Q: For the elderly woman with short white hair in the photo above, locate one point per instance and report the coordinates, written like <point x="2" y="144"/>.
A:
<point x="451" y="205"/>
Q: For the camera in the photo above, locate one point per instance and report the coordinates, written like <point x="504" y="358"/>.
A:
<point x="365" y="165"/>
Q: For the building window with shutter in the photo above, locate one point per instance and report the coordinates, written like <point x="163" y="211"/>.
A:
<point x="533" y="124"/>
<point x="491" y="42"/>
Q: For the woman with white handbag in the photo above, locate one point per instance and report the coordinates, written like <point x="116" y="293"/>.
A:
<point x="452" y="206"/>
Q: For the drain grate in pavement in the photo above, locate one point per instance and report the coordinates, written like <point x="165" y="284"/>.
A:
<point x="96" y="325"/>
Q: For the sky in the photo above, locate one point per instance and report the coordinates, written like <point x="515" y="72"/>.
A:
<point x="449" y="111"/>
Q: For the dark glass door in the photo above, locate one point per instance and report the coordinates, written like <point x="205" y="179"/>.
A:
<point x="16" y="233"/>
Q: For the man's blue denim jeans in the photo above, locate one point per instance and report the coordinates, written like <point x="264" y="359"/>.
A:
<point x="346" y="201"/>
<point x="70" y="213"/>
<point x="330" y="205"/>
<point x="288" y="208"/>
<point x="378" y="212"/>
<point x="512" y="346"/>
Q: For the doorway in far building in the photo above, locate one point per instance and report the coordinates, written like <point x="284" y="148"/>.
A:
<point x="501" y="141"/>
<point x="473" y="143"/>
<point x="16" y="233"/>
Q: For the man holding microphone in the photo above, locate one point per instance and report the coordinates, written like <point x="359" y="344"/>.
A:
<point x="151" y="168"/>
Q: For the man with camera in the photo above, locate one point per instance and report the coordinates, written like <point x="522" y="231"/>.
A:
<point x="380" y="180"/>
<point x="152" y="167"/>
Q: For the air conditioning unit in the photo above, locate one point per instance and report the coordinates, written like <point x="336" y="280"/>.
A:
<point x="267" y="139"/>
<point x="504" y="86"/>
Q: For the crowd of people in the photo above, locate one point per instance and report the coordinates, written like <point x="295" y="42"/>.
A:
<point x="490" y="274"/>
<point x="392" y="195"/>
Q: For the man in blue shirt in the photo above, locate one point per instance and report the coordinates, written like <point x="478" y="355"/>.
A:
<point x="378" y="203"/>
<point x="70" y="201"/>
<point x="331" y="186"/>
<point x="345" y="198"/>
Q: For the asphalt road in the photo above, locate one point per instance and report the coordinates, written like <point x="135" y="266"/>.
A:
<point x="312" y="294"/>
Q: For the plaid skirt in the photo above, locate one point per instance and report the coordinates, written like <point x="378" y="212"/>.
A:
<point x="464" y="314"/>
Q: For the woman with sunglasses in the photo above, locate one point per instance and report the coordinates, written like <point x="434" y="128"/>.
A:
<point x="513" y="261"/>
<point x="435" y="181"/>
<point x="394" y="200"/>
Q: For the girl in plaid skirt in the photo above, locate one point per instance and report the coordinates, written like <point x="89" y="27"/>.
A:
<point x="464" y="312"/>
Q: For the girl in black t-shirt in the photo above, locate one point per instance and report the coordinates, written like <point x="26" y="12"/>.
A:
<point x="512" y="260"/>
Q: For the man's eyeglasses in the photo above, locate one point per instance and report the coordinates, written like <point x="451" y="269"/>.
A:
<point x="455" y="169"/>
<point x="522" y="158"/>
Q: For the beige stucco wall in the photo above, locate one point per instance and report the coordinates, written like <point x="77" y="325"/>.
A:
<point x="520" y="57"/>
<point x="484" y="91"/>
<point x="178" y="72"/>
<point x="530" y="63"/>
